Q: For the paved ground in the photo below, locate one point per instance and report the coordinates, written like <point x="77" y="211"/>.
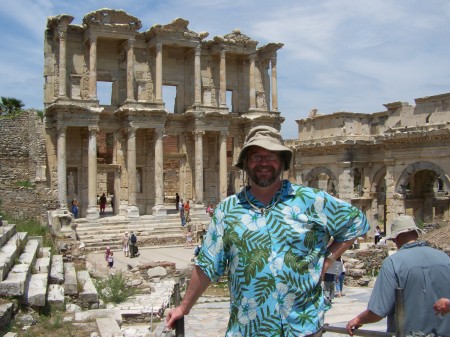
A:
<point x="209" y="316"/>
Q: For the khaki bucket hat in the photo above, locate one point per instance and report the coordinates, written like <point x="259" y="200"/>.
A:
<point x="403" y="224"/>
<point x="268" y="138"/>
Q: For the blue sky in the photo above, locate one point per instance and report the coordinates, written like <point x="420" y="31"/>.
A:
<point x="338" y="55"/>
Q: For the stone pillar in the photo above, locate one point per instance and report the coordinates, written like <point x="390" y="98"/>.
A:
<point x="130" y="69"/>
<point x="182" y="171"/>
<point x="158" y="76"/>
<point x="93" y="67"/>
<point x="223" y="165"/>
<point x="346" y="181"/>
<point x="237" y="141"/>
<point x="199" y="167"/>
<point x="198" y="75"/>
<point x="62" y="167"/>
<point x="274" y="87"/>
<point x="390" y="195"/>
<point x="223" y="79"/>
<point x="159" y="173"/>
<point x="62" y="30"/>
<point x="251" y="82"/>
<point x="92" y="211"/>
<point x="132" y="211"/>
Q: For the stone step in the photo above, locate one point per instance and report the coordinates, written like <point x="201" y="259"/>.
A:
<point x="6" y="233"/>
<point x="10" y="252"/>
<point x="16" y="283"/>
<point x="88" y="293"/>
<point x="37" y="290"/>
<point x="57" y="270"/>
<point x="70" y="279"/>
<point x="108" y="327"/>
<point x="55" y="296"/>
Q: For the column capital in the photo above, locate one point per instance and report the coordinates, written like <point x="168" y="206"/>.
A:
<point x="61" y="127"/>
<point x="198" y="50"/>
<point x="93" y="128"/>
<point x="345" y="164"/>
<point x="252" y="57"/>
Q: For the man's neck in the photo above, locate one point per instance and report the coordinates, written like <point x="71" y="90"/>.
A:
<point x="265" y="194"/>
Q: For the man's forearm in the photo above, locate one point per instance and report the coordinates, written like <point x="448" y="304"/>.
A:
<point x="197" y="285"/>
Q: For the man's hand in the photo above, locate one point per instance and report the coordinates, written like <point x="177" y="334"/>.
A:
<point x="173" y="315"/>
<point x="355" y="323"/>
<point x="442" y="306"/>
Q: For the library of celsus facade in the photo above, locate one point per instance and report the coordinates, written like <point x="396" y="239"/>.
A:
<point x="138" y="147"/>
<point x="386" y="163"/>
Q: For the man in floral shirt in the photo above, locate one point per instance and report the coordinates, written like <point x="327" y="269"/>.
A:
<point x="271" y="240"/>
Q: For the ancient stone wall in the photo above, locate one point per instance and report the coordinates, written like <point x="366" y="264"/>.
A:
<point x="23" y="185"/>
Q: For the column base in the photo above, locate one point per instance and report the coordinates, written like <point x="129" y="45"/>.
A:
<point x="92" y="213"/>
<point x="132" y="212"/>
<point x="159" y="210"/>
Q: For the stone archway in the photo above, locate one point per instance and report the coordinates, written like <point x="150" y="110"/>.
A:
<point x="422" y="198"/>
<point x="323" y="178"/>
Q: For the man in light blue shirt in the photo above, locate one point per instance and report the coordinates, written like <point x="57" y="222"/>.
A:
<point x="271" y="239"/>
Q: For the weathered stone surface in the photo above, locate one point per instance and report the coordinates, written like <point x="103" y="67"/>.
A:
<point x="91" y="315"/>
<point x="88" y="294"/>
<point x="108" y="326"/>
<point x="56" y="296"/>
<point x="57" y="270"/>
<point x="37" y="290"/>
<point x="157" y="272"/>
<point x="7" y="312"/>
<point x="70" y="279"/>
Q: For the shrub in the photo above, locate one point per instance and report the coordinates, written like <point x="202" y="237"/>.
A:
<point x="114" y="289"/>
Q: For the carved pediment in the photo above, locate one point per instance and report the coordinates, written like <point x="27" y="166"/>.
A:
<point x="178" y="28"/>
<point x="113" y="18"/>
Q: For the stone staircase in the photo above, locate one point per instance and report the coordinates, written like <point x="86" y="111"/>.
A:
<point x="150" y="230"/>
<point x="34" y="277"/>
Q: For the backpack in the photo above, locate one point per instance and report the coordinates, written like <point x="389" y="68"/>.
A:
<point x="133" y="238"/>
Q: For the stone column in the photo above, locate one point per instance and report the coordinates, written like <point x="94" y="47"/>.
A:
<point x="62" y="167"/>
<point x="346" y="181"/>
<point x="132" y="211"/>
<point x="223" y="165"/>
<point x="159" y="172"/>
<point x="390" y="194"/>
<point x="251" y="82"/>
<point x="93" y="67"/>
<point x="223" y="79"/>
<point x="199" y="167"/>
<point x="92" y="211"/>
<point x="62" y="30"/>
<point x="182" y="174"/>
<point x="237" y="141"/>
<point x="130" y="69"/>
<point x="198" y="75"/>
<point x="273" y="62"/>
<point x="158" y="75"/>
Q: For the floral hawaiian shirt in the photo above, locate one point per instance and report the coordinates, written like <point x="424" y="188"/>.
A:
<point x="274" y="258"/>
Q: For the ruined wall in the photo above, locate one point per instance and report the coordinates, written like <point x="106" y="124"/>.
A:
<point x="23" y="184"/>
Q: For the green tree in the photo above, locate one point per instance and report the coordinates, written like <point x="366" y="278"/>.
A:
<point x="10" y="106"/>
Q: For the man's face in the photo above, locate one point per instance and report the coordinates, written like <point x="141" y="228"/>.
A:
<point x="264" y="167"/>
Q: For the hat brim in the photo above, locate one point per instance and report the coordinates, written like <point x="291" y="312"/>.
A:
<point x="285" y="152"/>
<point x="404" y="230"/>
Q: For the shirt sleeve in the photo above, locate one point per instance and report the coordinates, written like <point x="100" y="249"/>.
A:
<point x="382" y="300"/>
<point x="344" y="221"/>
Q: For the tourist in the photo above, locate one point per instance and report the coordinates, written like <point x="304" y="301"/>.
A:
<point x="107" y="253"/>
<point x="329" y="286"/>
<point x="177" y="201"/>
<point x="74" y="208"/>
<point x="210" y="210"/>
<point x="271" y="239"/>
<point x="187" y="211"/>
<point x="442" y="306"/>
<point x="182" y="215"/>
<point x="340" y="278"/>
<point x="422" y="272"/>
<point x="125" y="244"/>
<point x="189" y="238"/>
<point x="102" y="203"/>
<point x="377" y="235"/>
<point x="112" y="203"/>
<point x="111" y="260"/>
<point x="132" y="244"/>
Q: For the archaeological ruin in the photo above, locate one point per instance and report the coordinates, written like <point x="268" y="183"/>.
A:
<point x="136" y="146"/>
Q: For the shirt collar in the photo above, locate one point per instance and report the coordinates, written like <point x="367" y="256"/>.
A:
<point x="286" y="191"/>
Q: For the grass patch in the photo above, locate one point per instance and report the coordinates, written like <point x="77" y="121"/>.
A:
<point x="25" y="183"/>
<point x="33" y="228"/>
<point x="114" y="289"/>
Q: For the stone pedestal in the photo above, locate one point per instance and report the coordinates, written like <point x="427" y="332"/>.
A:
<point x="132" y="212"/>
<point x="159" y="210"/>
<point x="92" y="213"/>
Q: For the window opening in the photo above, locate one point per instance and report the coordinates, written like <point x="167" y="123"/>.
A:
<point x="169" y="95"/>
<point x="104" y="92"/>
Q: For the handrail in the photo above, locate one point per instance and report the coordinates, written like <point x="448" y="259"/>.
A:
<point x="356" y="332"/>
